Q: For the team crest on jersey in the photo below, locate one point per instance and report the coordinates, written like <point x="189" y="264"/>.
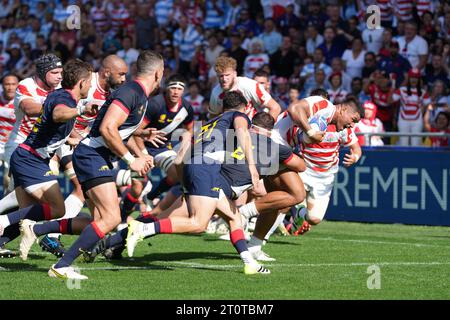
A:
<point x="216" y="189"/>
<point x="141" y="109"/>
<point x="103" y="168"/>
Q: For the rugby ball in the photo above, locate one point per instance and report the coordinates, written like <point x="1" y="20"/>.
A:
<point x="316" y="122"/>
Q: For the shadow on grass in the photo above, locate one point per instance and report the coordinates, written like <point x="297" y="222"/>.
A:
<point x="15" y="266"/>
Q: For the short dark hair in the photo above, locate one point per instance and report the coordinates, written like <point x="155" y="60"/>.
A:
<point x="263" y="120"/>
<point x="149" y="61"/>
<point x="445" y="114"/>
<point x="73" y="71"/>
<point x="354" y="105"/>
<point x="10" y="75"/>
<point x="176" y="77"/>
<point x="233" y="100"/>
<point x="261" y="73"/>
<point x="320" y="92"/>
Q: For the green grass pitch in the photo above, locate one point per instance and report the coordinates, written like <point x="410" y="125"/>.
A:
<point x="333" y="261"/>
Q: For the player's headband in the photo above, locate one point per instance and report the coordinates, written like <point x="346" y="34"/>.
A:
<point x="175" y="84"/>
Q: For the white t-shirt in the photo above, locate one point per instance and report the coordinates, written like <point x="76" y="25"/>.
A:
<point x="415" y="48"/>
<point x="354" y="66"/>
<point x="373" y="38"/>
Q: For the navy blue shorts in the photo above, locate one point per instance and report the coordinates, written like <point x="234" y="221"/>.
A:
<point x="203" y="180"/>
<point x="29" y="169"/>
<point x="92" y="165"/>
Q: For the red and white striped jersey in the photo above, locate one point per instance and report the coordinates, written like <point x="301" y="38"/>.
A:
<point x="380" y="98"/>
<point x="422" y="6"/>
<point x="290" y="131"/>
<point x="253" y="62"/>
<point x="336" y="96"/>
<point x="7" y="120"/>
<point x="323" y="158"/>
<point x="27" y="89"/>
<point x="118" y="17"/>
<point x="254" y="92"/>
<point x="97" y="95"/>
<point x="404" y="9"/>
<point x="99" y="16"/>
<point x="411" y="105"/>
<point x="196" y="104"/>
<point x="385" y="10"/>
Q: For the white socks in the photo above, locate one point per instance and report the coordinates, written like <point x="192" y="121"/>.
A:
<point x="4" y="221"/>
<point x="73" y="206"/>
<point x="249" y="210"/>
<point x="277" y="222"/>
<point x="247" y="258"/>
<point x="8" y="202"/>
<point x="148" y="229"/>
<point x="254" y="244"/>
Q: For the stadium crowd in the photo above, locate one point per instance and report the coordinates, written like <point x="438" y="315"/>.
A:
<point x="401" y="67"/>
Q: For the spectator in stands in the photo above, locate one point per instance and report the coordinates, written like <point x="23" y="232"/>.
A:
<point x="315" y="16"/>
<point x="441" y="124"/>
<point x="271" y="38"/>
<point x="354" y="58"/>
<point x="319" y="82"/>
<point x="281" y="62"/>
<point x="385" y="49"/>
<point x="164" y="12"/>
<point x="427" y="29"/>
<point x="374" y="38"/>
<point x="370" y="64"/>
<point x="313" y="39"/>
<point x="237" y="52"/>
<point x="336" y="93"/>
<point x="282" y="91"/>
<point x="246" y="23"/>
<point x="395" y="65"/>
<point x="356" y="90"/>
<point x="256" y="59"/>
<point x="288" y="20"/>
<point x="437" y="70"/>
<point x="213" y="51"/>
<point x="232" y="14"/>
<point x="128" y="53"/>
<point x="413" y="100"/>
<point x="187" y="42"/>
<point x="413" y="47"/>
<point x="370" y="124"/>
<point x="309" y="69"/>
<point x="146" y="28"/>
<point x="215" y="10"/>
<point x="380" y="90"/>
<point x="196" y="100"/>
<point x="333" y="45"/>
<point x="438" y="99"/>
<point x="294" y="94"/>
<point x="7" y="7"/>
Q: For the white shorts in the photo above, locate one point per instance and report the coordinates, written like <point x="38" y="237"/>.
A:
<point x="9" y="149"/>
<point x="44" y="185"/>
<point x="64" y="151"/>
<point x="318" y="190"/>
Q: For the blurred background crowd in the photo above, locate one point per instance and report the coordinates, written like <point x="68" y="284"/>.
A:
<point x="400" y="70"/>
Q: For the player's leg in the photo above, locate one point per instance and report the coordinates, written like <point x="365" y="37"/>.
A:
<point x="228" y="211"/>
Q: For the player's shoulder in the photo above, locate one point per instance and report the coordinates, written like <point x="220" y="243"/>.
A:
<point x="186" y="103"/>
<point x="246" y="83"/>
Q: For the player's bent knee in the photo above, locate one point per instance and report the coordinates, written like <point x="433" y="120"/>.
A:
<point x="313" y="220"/>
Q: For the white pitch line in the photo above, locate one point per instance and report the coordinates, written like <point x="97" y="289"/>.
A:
<point x="381" y="242"/>
<point x="196" y="265"/>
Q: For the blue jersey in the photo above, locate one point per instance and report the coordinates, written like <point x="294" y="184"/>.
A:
<point x="217" y="135"/>
<point x="132" y="98"/>
<point x="48" y="135"/>
<point x="164" y="119"/>
<point x="269" y="156"/>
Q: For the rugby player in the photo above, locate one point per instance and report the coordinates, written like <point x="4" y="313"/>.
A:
<point x="258" y="98"/>
<point x="36" y="185"/>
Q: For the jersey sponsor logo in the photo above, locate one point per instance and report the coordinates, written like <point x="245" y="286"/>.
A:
<point x="50" y="173"/>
